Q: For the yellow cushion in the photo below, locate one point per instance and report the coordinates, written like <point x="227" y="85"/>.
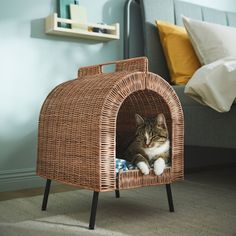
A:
<point x="180" y="55"/>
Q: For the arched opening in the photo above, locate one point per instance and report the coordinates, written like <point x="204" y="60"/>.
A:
<point x="146" y="103"/>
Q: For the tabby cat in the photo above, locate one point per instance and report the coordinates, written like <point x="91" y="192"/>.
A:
<point x="150" y="147"/>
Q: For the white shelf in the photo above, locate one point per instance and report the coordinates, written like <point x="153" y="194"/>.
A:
<point x="51" y="27"/>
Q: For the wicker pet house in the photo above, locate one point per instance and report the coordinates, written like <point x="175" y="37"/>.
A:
<point x="83" y="121"/>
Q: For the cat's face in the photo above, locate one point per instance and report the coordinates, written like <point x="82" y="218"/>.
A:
<point x="151" y="132"/>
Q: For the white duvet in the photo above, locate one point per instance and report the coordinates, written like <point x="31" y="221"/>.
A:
<point x="214" y="84"/>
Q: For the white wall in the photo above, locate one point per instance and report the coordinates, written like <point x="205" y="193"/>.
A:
<point x="225" y="5"/>
<point x="31" y="64"/>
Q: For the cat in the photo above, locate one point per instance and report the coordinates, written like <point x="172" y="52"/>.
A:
<point x="151" y="145"/>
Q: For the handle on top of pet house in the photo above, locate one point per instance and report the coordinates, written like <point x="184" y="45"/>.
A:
<point x="131" y="65"/>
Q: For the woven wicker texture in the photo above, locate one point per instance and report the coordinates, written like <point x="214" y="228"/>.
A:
<point x="82" y="121"/>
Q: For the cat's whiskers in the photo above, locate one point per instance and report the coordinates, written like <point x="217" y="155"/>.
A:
<point x="157" y="150"/>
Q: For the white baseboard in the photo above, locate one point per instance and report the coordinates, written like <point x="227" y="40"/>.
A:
<point x="11" y="180"/>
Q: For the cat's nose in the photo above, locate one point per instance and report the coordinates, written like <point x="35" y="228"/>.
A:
<point x="147" y="144"/>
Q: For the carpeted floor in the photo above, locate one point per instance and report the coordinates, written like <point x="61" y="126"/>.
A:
<point x="205" y="204"/>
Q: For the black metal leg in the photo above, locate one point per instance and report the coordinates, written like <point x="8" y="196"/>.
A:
<point x="169" y="196"/>
<point x="117" y="193"/>
<point x="93" y="210"/>
<point x="46" y="193"/>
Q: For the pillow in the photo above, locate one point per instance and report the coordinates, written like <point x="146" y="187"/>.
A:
<point x="180" y="56"/>
<point x="211" y="41"/>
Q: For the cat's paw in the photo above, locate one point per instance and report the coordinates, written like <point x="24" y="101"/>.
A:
<point x="143" y="167"/>
<point x="159" y="166"/>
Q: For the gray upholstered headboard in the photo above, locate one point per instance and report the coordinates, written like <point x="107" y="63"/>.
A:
<point x="171" y="11"/>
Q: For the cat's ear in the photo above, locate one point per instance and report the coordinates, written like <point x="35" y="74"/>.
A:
<point x="139" y="120"/>
<point x="161" y="121"/>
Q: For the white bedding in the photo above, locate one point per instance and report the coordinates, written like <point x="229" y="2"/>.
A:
<point x="214" y="84"/>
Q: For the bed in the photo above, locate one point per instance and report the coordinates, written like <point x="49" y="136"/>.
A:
<point x="210" y="136"/>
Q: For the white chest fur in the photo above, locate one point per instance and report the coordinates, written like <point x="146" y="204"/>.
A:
<point x="154" y="151"/>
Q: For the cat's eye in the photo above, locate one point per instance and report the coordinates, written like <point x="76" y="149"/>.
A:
<point x="155" y="137"/>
